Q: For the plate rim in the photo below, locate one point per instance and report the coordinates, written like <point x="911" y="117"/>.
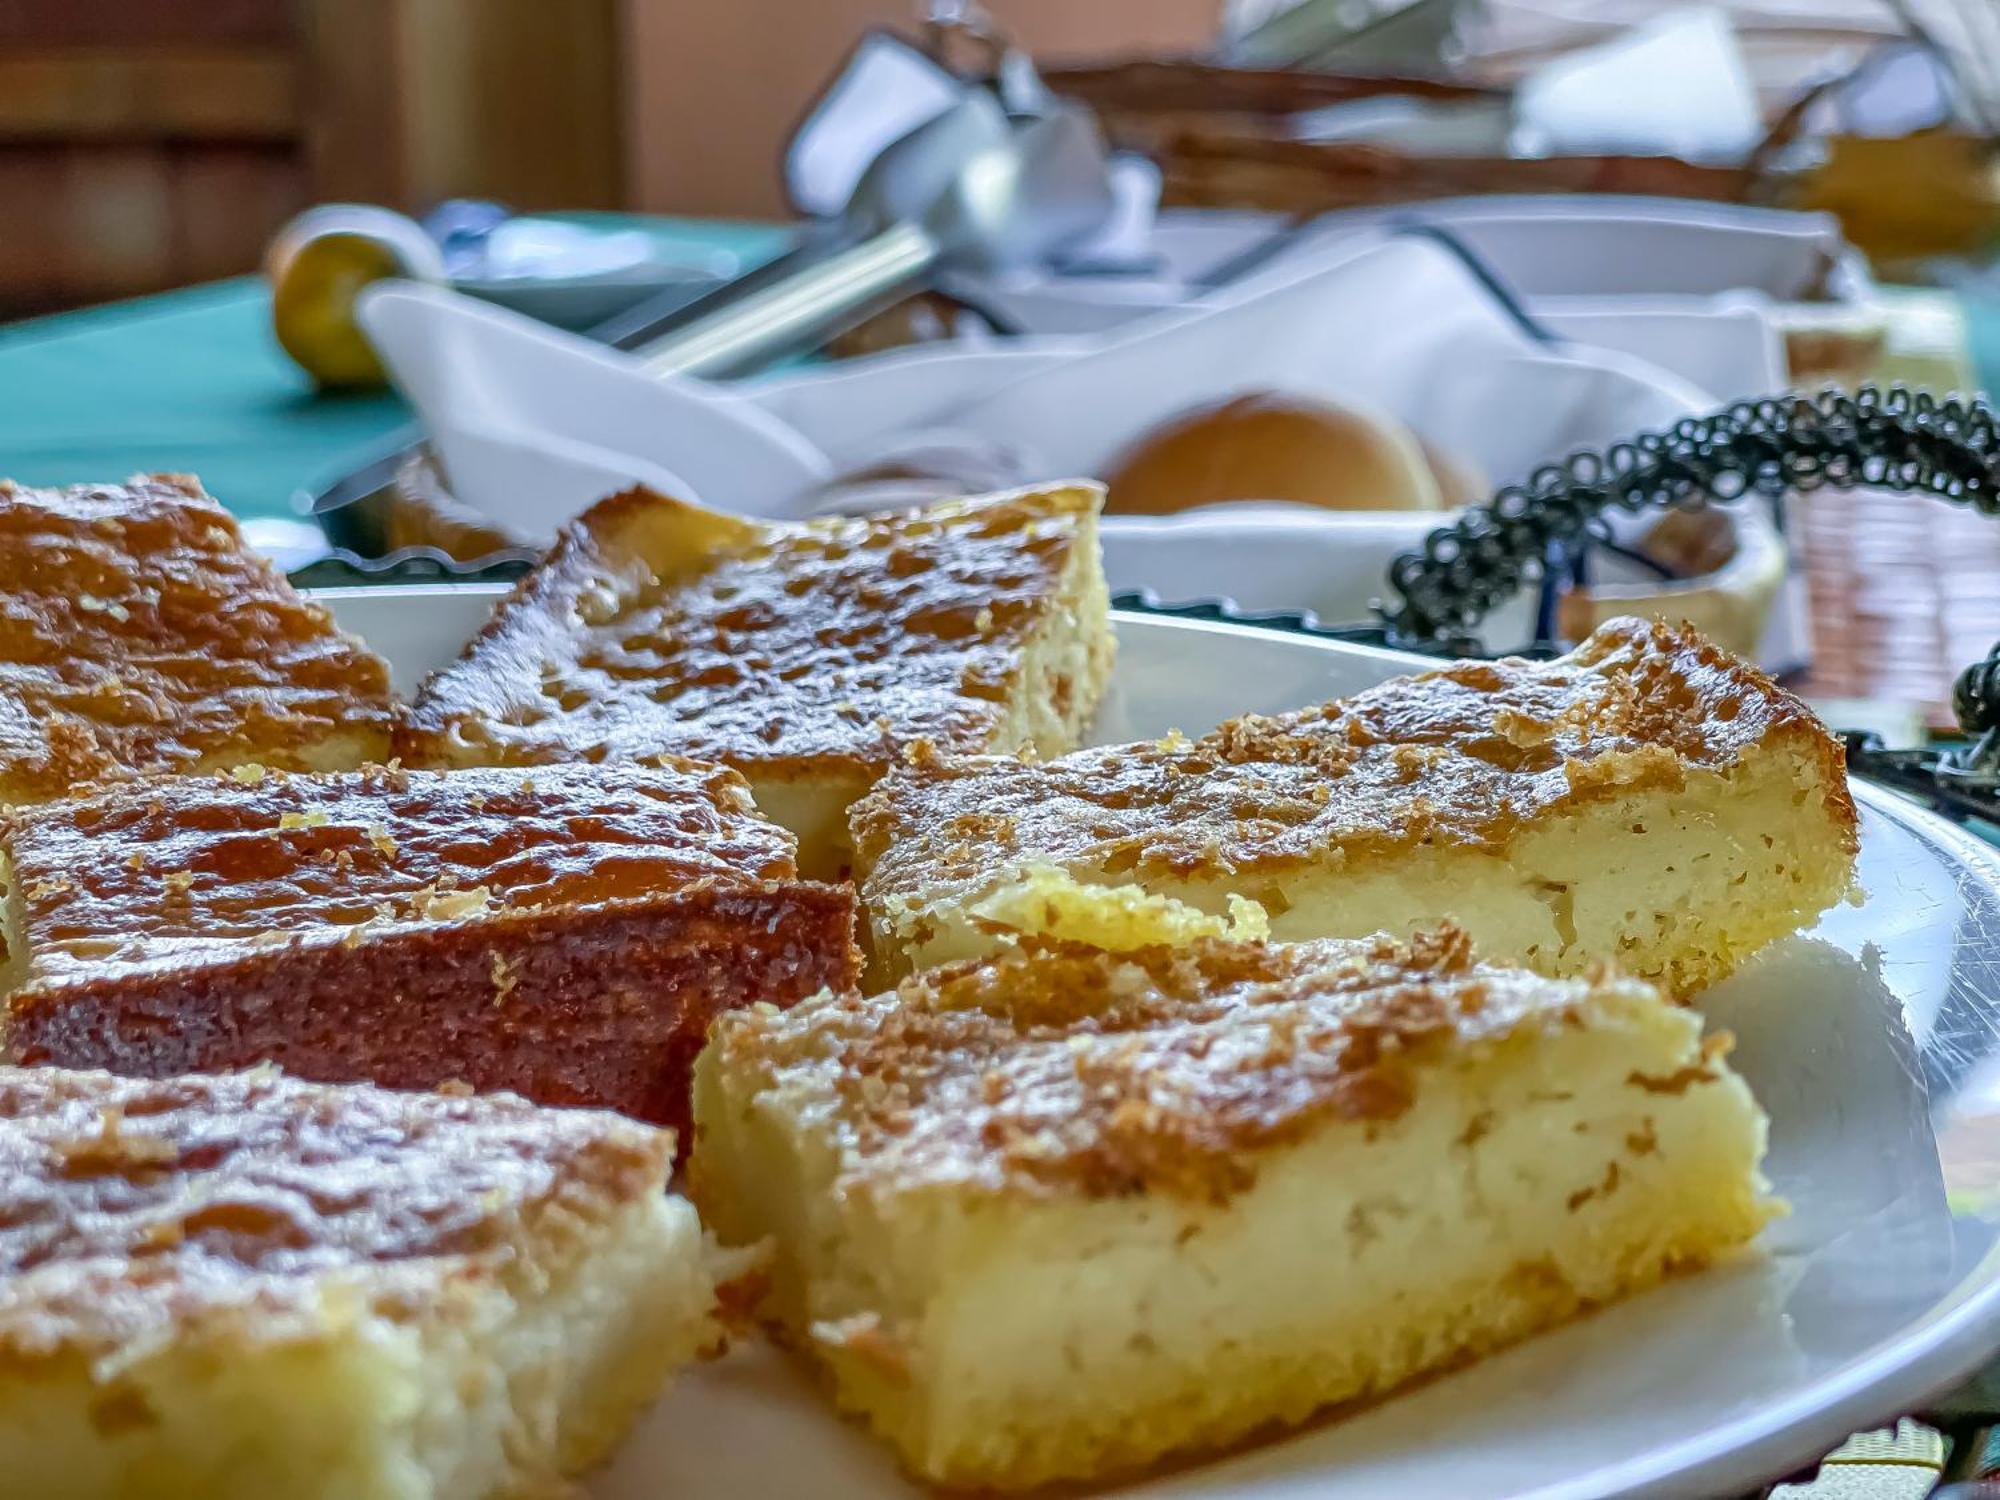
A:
<point x="1924" y="1360"/>
<point x="1286" y="625"/>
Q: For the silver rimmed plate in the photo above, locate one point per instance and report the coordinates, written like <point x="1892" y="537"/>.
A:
<point x="1873" y="1041"/>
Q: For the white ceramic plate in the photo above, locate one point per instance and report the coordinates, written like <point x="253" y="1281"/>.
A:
<point x="1873" y="1041"/>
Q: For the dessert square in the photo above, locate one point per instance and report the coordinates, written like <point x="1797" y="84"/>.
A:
<point x="139" y="636"/>
<point x="1058" y="1215"/>
<point x="1647" y="799"/>
<point x="246" y="1287"/>
<point x="565" y="932"/>
<point x="811" y="657"/>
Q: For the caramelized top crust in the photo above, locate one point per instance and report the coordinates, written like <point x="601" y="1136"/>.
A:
<point x="138" y="1210"/>
<point x="1463" y="756"/>
<point x="138" y="635"/>
<point x="1105" y="1074"/>
<point x="191" y="867"/>
<point x="656" y="626"/>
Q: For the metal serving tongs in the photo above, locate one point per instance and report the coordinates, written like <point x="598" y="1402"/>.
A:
<point x="998" y="179"/>
<point x="1007" y="176"/>
<point x="971" y="189"/>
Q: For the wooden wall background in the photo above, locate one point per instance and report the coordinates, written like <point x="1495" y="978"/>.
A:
<point x="151" y="143"/>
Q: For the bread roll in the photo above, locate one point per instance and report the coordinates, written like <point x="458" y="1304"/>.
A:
<point x="1460" y="481"/>
<point x="1267" y="446"/>
<point x="919" y="470"/>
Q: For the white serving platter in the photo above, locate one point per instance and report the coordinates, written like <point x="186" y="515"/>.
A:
<point x="1873" y="1041"/>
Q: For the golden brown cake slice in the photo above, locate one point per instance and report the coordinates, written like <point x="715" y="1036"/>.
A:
<point x="809" y="656"/>
<point x="565" y="932"/>
<point x="246" y="1288"/>
<point x="138" y="636"/>
<point x="1647" y="799"/>
<point x="1057" y="1215"/>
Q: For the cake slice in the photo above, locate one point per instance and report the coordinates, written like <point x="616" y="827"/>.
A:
<point x="811" y="657"/>
<point x="566" y="933"/>
<point x="139" y="636"/>
<point x="1057" y="1215"/>
<point x="1646" y="799"/>
<point x="245" y="1287"/>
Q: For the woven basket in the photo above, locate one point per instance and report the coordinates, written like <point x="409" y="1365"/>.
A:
<point x="1223" y="138"/>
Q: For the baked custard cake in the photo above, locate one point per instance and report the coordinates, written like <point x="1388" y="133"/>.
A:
<point x="1056" y="1215"/>
<point x="1647" y="799"/>
<point x="566" y="932"/>
<point x="138" y="635"/>
<point x="809" y="656"/>
<point x="245" y="1287"/>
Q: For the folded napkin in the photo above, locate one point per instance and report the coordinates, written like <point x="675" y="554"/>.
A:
<point x="1557" y="254"/>
<point x="533" y="424"/>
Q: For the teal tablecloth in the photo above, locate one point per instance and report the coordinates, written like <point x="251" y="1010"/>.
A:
<point x="192" y="381"/>
<point x="189" y="381"/>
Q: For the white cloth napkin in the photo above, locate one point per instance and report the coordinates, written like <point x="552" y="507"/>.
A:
<point x="888" y="87"/>
<point x="533" y="424"/>
<point x="1676" y="85"/>
<point x="1556" y="253"/>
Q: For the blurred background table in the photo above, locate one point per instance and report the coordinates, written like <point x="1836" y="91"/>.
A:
<point x="1904" y="591"/>
<point x="193" y="380"/>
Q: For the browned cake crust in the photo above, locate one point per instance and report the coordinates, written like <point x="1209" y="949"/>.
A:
<point x="139" y="636"/>
<point x="567" y="934"/>
<point x="1465" y="756"/>
<point x="135" y="1209"/>
<point x="1114" y="1074"/>
<point x="168" y="874"/>
<point x="828" y="646"/>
